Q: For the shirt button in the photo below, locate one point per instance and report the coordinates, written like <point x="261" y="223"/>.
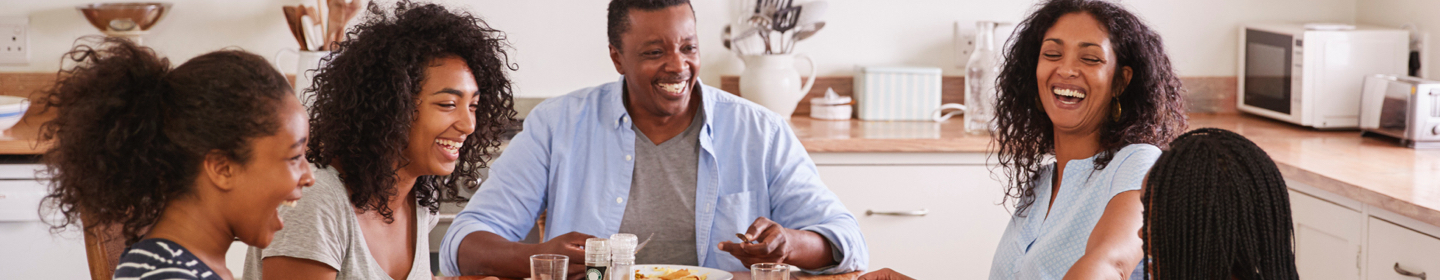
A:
<point x="624" y="119"/>
<point x="627" y="157"/>
<point x="619" y="200"/>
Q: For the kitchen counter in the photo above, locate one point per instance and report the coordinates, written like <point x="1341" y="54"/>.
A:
<point x="1372" y="170"/>
<point x="1375" y="171"/>
<point x="887" y="136"/>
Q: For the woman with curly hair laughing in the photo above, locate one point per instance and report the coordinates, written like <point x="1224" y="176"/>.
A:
<point x="403" y="116"/>
<point x="1087" y="100"/>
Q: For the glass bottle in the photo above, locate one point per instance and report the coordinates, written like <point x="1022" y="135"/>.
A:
<point x="597" y="258"/>
<point x="622" y="256"/>
<point x="980" y="74"/>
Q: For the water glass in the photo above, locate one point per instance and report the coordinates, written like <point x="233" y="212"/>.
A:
<point x="548" y="267"/>
<point x="769" y="271"/>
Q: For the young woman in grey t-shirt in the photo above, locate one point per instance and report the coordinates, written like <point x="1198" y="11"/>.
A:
<point x="404" y="114"/>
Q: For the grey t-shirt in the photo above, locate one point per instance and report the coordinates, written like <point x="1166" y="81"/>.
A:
<point x="662" y="196"/>
<point x="322" y="227"/>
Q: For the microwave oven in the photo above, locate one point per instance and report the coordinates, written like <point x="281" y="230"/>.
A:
<point x="1310" y="75"/>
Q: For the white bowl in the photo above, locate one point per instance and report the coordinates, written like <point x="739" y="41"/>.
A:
<point x="11" y="110"/>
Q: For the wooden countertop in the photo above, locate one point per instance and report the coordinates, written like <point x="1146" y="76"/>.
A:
<point x="1375" y="171"/>
<point x="887" y="136"/>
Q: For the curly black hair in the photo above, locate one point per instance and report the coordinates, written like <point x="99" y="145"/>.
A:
<point x="365" y="100"/>
<point x="617" y="17"/>
<point x="1153" y="108"/>
<point x="130" y="134"/>
<point x="1221" y="178"/>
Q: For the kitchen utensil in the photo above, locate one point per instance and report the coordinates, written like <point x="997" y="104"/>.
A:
<point x="340" y="13"/>
<point x="769" y="271"/>
<point x="804" y="33"/>
<point x="128" y="20"/>
<point x="548" y="266"/>
<point x="814" y="11"/>
<point x="642" y="244"/>
<point x="312" y="36"/>
<point x="292" y="19"/>
<point x="785" y="20"/>
<point x="743" y="239"/>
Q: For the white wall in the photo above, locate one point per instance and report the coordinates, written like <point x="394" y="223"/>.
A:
<point x="560" y="46"/>
<point x="1396" y="13"/>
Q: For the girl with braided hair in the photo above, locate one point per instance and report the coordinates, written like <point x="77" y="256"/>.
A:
<point x="1221" y="178"/>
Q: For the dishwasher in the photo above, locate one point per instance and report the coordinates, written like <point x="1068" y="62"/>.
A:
<point x="31" y="249"/>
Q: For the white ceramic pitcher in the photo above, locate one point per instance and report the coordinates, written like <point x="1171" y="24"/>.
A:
<point x="771" y="81"/>
<point x="307" y="64"/>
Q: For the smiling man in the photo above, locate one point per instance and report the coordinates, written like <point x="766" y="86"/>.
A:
<point x="656" y="152"/>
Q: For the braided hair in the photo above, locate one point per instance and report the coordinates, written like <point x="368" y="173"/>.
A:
<point x="1215" y="207"/>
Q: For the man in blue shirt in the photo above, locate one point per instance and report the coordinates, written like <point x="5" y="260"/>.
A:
<point x="656" y="152"/>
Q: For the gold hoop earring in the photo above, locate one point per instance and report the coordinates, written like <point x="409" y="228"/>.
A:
<point x="1116" y="115"/>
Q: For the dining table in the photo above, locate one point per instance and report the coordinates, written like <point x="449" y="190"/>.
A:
<point x="739" y="275"/>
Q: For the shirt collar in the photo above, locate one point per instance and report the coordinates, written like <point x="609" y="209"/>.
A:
<point x="613" y="108"/>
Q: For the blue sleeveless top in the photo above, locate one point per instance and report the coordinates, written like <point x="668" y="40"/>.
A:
<point x="1038" y="247"/>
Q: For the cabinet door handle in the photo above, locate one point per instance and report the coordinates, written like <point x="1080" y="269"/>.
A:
<point x="916" y="213"/>
<point x="1420" y="275"/>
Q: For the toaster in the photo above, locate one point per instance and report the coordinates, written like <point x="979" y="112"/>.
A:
<point x="1403" y="108"/>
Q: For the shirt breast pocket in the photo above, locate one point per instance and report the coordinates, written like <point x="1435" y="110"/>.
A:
<point x="736" y="211"/>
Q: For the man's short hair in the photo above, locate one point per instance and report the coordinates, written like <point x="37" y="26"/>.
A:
<point x="617" y="21"/>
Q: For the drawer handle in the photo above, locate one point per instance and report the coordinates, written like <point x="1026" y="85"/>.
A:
<point x="916" y="213"/>
<point x="1420" y="275"/>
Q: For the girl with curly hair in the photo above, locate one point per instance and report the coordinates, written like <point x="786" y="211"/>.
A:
<point x="183" y="161"/>
<point x="404" y="115"/>
<point x="1088" y="85"/>
<point x="1219" y="177"/>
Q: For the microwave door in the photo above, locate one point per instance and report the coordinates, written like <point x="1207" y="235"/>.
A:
<point x="1267" y="70"/>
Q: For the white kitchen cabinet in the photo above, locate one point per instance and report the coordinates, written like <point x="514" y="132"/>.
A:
<point x="963" y="221"/>
<point x="28" y="248"/>
<point x="1391" y="246"/>
<point x="1328" y="238"/>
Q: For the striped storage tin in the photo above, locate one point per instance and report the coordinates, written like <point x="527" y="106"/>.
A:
<point x="896" y="93"/>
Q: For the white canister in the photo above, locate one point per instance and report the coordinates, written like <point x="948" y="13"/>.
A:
<point x="831" y="107"/>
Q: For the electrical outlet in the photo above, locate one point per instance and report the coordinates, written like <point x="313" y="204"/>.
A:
<point x="964" y="42"/>
<point x="15" y="40"/>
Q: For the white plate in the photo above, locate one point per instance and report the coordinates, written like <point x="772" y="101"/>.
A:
<point x="710" y="273"/>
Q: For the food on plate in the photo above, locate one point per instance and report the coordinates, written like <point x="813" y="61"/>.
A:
<point x="665" y="273"/>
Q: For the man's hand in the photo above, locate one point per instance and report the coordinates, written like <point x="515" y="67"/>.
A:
<point x="571" y="245"/>
<point x="884" y="274"/>
<point x="485" y="253"/>
<point x="777" y="244"/>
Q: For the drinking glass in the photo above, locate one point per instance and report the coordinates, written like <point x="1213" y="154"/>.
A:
<point x="548" y="266"/>
<point x="769" y="271"/>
